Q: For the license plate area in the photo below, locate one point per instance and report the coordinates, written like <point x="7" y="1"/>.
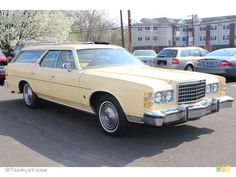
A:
<point x="161" y="62"/>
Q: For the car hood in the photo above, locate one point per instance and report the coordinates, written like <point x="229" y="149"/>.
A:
<point x="150" y="75"/>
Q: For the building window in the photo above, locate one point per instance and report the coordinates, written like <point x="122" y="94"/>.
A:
<point x="155" y="38"/>
<point x="225" y="27"/>
<point x="213" y="38"/>
<point x="178" y="28"/>
<point x="140" y="28"/>
<point x="226" y="37"/>
<point x="202" y="28"/>
<point x="213" y="27"/>
<point x="147" y="27"/>
<point x="202" y="38"/>
<point x="140" y="38"/>
<point x="154" y="27"/>
<point x="185" y="28"/>
<point x="184" y="38"/>
<point x="147" y="38"/>
<point x="177" y="38"/>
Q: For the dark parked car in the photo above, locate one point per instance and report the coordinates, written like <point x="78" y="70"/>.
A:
<point x="222" y="62"/>
<point x="3" y="63"/>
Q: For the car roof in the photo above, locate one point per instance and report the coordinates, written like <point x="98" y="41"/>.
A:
<point x="181" y="48"/>
<point x="69" y="46"/>
<point x="227" y="49"/>
<point x="144" y="50"/>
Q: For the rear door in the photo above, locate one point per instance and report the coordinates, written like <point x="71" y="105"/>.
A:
<point x="188" y="56"/>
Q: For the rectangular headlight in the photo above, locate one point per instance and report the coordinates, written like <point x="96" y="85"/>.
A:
<point x="164" y="96"/>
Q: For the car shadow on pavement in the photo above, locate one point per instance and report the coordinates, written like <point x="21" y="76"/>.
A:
<point x="72" y="138"/>
<point x="230" y="79"/>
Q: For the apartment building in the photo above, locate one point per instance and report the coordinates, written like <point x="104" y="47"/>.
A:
<point x="210" y="33"/>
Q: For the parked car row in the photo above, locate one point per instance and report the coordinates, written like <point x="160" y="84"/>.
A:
<point x="222" y="61"/>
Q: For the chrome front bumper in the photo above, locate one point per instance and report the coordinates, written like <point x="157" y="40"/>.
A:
<point x="184" y="113"/>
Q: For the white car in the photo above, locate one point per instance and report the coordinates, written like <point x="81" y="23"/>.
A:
<point x="146" y="56"/>
<point x="182" y="58"/>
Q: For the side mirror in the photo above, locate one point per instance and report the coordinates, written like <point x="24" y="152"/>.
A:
<point x="66" y="66"/>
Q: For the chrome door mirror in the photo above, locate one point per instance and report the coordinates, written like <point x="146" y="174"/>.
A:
<point x="67" y="66"/>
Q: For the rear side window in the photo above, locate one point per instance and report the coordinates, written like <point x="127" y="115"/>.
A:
<point x="168" y="53"/>
<point x="185" y="53"/>
<point x="203" y="52"/>
<point x="29" y="56"/>
<point x="195" y="53"/>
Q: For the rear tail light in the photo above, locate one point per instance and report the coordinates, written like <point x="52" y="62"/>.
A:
<point x="175" y="61"/>
<point x="225" y="63"/>
<point x="3" y="59"/>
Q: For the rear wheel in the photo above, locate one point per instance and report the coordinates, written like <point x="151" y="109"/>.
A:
<point x="189" y="68"/>
<point x="30" y="98"/>
<point x="111" y="117"/>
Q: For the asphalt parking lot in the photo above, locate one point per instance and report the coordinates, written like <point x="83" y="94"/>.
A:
<point x="53" y="135"/>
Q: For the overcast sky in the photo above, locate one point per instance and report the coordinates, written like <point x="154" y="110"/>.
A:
<point x="139" y="8"/>
<point x="177" y="8"/>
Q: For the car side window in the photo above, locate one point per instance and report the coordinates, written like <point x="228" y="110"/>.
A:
<point x="49" y="60"/>
<point x="29" y="56"/>
<point x="203" y="52"/>
<point x="66" y="57"/>
<point x="195" y="53"/>
<point x="184" y="53"/>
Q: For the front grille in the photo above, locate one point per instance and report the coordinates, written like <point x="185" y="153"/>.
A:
<point x="191" y="91"/>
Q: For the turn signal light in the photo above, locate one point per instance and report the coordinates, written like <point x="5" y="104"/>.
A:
<point x="175" y="61"/>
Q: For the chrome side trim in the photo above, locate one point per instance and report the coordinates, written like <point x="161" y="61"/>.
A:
<point x="57" y="102"/>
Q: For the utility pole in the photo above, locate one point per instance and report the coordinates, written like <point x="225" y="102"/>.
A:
<point x="193" y="31"/>
<point x="129" y="27"/>
<point x="122" y="29"/>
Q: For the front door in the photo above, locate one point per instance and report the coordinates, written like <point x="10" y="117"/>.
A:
<point x="63" y="83"/>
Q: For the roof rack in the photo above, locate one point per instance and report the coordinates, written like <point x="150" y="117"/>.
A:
<point x="35" y="43"/>
<point x="77" y="42"/>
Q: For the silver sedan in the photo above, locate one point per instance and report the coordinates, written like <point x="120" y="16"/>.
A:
<point x="222" y="62"/>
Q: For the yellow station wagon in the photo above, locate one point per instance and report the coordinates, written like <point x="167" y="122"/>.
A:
<point x="108" y="81"/>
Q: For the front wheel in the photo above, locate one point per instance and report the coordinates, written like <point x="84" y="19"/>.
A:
<point x="111" y="117"/>
<point x="30" y="98"/>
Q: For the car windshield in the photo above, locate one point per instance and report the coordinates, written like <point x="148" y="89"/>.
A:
<point x="167" y="53"/>
<point x="224" y="53"/>
<point x="144" y="53"/>
<point x="103" y="57"/>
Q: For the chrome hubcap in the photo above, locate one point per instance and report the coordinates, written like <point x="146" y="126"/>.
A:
<point x="189" y="68"/>
<point x="108" y="116"/>
<point x="28" y="94"/>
